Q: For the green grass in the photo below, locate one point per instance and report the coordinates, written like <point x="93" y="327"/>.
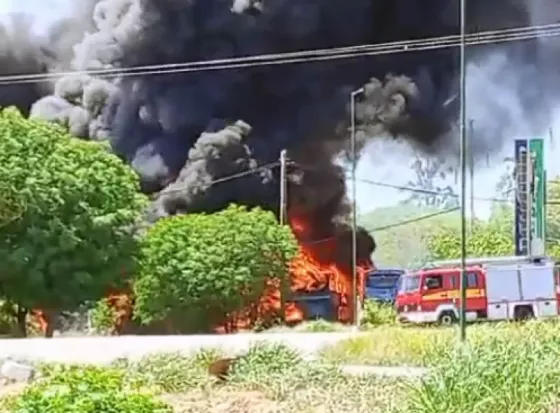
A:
<point x="503" y="368"/>
<point x="392" y="346"/>
<point x="271" y="378"/>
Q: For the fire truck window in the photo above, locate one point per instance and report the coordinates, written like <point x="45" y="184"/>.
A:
<point x="472" y="280"/>
<point x="434" y="282"/>
<point x="454" y="280"/>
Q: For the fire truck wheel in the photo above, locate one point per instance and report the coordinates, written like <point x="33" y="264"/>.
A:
<point x="446" y="318"/>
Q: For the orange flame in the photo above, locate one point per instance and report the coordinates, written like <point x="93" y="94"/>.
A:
<point x="307" y="274"/>
<point x="122" y="305"/>
<point x="39" y="318"/>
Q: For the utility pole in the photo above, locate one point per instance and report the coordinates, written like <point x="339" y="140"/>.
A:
<point x="355" y="295"/>
<point x="282" y="217"/>
<point x="471" y="168"/>
<point x="463" y="139"/>
<point x="283" y="187"/>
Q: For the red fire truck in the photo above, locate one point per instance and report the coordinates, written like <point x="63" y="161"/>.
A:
<point x="505" y="288"/>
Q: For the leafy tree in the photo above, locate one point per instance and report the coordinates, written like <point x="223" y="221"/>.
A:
<point x="506" y="184"/>
<point x="553" y="212"/>
<point x="489" y="238"/>
<point x="12" y="204"/>
<point x="401" y="233"/>
<point x="485" y="241"/>
<point x="73" y="234"/>
<point x="430" y="176"/>
<point x="495" y="237"/>
<point x="198" y="268"/>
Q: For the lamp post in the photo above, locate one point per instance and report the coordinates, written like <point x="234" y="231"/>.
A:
<point x="463" y="161"/>
<point x="353" y="96"/>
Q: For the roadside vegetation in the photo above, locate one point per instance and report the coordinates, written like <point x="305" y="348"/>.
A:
<point x="504" y="368"/>
<point x="271" y="378"/>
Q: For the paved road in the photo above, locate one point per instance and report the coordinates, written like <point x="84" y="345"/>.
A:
<point x="102" y="350"/>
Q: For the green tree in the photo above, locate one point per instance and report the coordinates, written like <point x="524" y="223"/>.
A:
<point x="73" y="235"/>
<point x="432" y="191"/>
<point x="506" y="184"/>
<point x="493" y="237"/>
<point x="197" y="268"/>
<point x="401" y="232"/>
<point x="553" y="215"/>
<point x="485" y="241"/>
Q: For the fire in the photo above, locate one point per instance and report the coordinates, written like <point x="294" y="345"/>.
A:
<point x="39" y="319"/>
<point x="122" y="304"/>
<point x="308" y="273"/>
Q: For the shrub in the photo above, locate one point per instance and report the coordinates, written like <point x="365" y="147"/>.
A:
<point x="198" y="270"/>
<point x="376" y="313"/>
<point x="169" y="372"/>
<point x="103" y="317"/>
<point x="267" y="359"/>
<point x="9" y="324"/>
<point x="320" y="326"/>
<point x="69" y="389"/>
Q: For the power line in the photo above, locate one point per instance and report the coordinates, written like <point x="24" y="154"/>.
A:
<point x="227" y="178"/>
<point x="393" y="186"/>
<point x="439" y="193"/>
<point x="390" y="226"/>
<point x="478" y="38"/>
<point x="414" y="220"/>
<point x="276" y="164"/>
<point x="428" y="191"/>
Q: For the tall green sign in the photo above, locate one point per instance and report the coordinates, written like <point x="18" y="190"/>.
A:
<point x="538" y="216"/>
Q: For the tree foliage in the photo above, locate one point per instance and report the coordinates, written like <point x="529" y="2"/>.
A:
<point x="496" y="236"/>
<point x="553" y="214"/>
<point x="197" y="268"/>
<point x="71" y="234"/>
<point x="404" y="245"/>
<point x="485" y="241"/>
<point x="431" y="174"/>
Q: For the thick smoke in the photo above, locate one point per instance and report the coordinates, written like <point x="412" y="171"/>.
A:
<point x="513" y="90"/>
<point x="20" y="53"/>
<point x="183" y="132"/>
<point x="23" y="52"/>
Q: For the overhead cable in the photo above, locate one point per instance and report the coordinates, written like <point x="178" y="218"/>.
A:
<point x="433" y="43"/>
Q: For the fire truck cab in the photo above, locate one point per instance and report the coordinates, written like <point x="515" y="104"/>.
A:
<point x="506" y="288"/>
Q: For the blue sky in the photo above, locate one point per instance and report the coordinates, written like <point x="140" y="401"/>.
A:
<point x="382" y="161"/>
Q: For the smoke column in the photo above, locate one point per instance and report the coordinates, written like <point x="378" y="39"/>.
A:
<point x="182" y="131"/>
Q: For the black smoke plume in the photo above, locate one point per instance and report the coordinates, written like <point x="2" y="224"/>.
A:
<point x="183" y="132"/>
<point x="20" y="53"/>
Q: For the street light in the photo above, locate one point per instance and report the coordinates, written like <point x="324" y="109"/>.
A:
<point x="353" y="96"/>
<point x="463" y="161"/>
